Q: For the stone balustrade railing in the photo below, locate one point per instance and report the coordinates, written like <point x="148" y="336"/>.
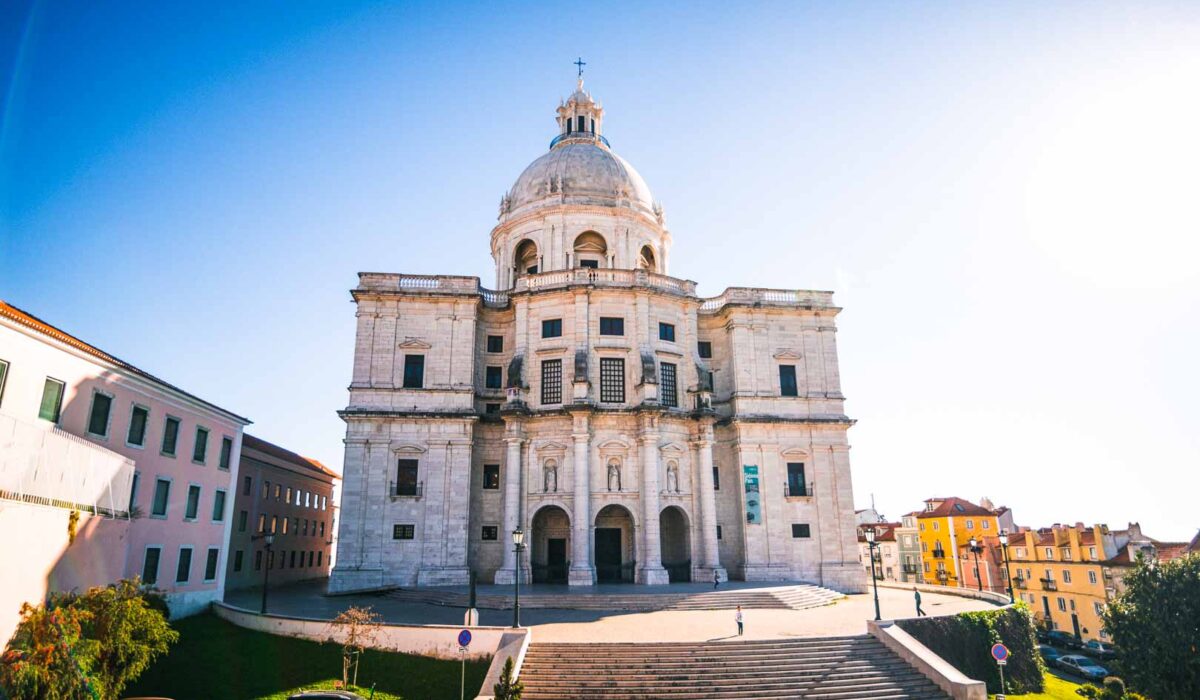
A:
<point x="757" y="296"/>
<point x="604" y="277"/>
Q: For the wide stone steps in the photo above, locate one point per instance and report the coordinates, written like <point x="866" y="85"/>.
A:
<point x="835" y="668"/>
<point x="798" y="597"/>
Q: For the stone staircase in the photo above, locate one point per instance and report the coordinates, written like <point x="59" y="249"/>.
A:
<point x="832" y="668"/>
<point x="798" y="597"/>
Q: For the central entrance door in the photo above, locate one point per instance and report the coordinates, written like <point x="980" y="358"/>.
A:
<point x="608" y="554"/>
<point x="556" y="560"/>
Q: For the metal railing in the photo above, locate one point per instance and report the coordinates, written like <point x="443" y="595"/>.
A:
<point x="939" y="554"/>
<point x="1020" y="583"/>
<point x="1048" y="584"/>
<point x="908" y="568"/>
<point x="405" y="490"/>
<point x="578" y="135"/>
<point x="803" y="490"/>
<point x="43" y="465"/>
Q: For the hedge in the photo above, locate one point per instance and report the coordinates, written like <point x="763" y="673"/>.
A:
<point x="965" y="642"/>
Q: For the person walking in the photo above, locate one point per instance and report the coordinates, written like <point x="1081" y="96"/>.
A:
<point x="716" y="578"/>
<point x="738" y="616"/>
<point x="917" y="597"/>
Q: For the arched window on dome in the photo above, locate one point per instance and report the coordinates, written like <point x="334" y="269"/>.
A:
<point x="646" y="260"/>
<point x="526" y="256"/>
<point x="593" y="125"/>
<point x="590" y="249"/>
<point x="579" y="123"/>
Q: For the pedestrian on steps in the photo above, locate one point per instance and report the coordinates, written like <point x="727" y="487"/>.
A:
<point x="917" y="597"/>
<point x="716" y="578"/>
<point x="738" y="616"/>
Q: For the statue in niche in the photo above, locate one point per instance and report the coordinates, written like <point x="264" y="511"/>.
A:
<point x="550" y="476"/>
<point x="614" y="475"/>
<point x="672" y="477"/>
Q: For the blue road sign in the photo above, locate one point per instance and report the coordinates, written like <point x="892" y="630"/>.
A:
<point x="999" y="652"/>
<point x="464" y="638"/>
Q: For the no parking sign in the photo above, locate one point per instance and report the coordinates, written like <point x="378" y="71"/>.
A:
<point x="464" y="638"/>
<point x="1000" y="654"/>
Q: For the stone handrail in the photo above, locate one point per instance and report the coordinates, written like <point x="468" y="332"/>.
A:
<point x="952" y="681"/>
<point x="604" y="277"/>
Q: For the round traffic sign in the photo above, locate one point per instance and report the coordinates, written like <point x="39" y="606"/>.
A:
<point x="464" y="638"/>
<point x="999" y="652"/>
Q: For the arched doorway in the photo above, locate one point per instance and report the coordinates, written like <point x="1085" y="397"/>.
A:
<point x="675" y="538"/>
<point x="590" y="250"/>
<point x="526" y="257"/>
<point x="646" y="260"/>
<point x="549" y="543"/>
<point x="614" y="550"/>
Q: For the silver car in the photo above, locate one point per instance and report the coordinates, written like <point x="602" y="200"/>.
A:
<point x="1082" y="666"/>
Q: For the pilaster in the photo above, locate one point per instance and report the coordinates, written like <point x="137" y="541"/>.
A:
<point x="651" y="571"/>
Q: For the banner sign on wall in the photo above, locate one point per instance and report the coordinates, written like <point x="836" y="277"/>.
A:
<point x="753" y="497"/>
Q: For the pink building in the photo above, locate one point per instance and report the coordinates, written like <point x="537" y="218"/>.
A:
<point x="992" y="573"/>
<point x="146" y="467"/>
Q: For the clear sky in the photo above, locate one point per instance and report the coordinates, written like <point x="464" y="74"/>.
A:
<point x="1005" y="197"/>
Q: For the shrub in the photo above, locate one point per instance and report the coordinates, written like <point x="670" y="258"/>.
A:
<point x="965" y="642"/>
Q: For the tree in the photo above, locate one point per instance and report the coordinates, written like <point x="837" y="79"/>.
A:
<point x="359" y="628"/>
<point x="1155" y="624"/>
<point x="508" y="688"/>
<point x="48" y="658"/>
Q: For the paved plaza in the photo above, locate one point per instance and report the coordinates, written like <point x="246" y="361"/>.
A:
<point x="845" y="617"/>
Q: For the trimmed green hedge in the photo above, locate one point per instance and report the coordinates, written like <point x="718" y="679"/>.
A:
<point x="965" y="642"/>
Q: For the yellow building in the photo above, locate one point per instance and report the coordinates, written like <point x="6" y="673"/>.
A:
<point x="948" y="523"/>
<point x="1059" y="572"/>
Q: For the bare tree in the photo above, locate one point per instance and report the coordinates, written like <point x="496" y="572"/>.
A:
<point x="357" y="628"/>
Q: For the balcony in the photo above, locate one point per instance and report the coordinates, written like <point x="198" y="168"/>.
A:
<point x="1048" y="584"/>
<point x="939" y="554"/>
<point x="908" y="568"/>
<point x="799" y="490"/>
<point x="943" y="576"/>
<point x="1020" y="583"/>
<point x="604" y="277"/>
<point x="397" y="491"/>
<point x="43" y="465"/>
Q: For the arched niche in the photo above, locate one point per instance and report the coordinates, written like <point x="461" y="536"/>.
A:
<point x="526" y="258"/>
<point x="590" y="249"/>
<point x="647" y="260"/>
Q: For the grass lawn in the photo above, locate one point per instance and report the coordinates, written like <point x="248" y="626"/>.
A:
<point x="214" y="659"/>
<point x="1057" y="688"/>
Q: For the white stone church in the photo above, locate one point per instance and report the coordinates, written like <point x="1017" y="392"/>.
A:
<point x="634" y="431"/>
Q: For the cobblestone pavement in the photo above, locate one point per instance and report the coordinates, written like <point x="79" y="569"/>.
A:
<point x="848" y="616"/>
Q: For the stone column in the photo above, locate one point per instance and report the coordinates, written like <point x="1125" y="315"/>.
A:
<point x="512" y="505"/>
<point x="710" y="556"/>
<point x="582" y="572"/>
<point x="651" y="572"/>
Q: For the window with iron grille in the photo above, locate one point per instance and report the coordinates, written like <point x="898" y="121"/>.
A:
<point x="403" y="532"/>
<point x="612" y="380"/>
<point x="670" y="395"/>
<point x="551" y="381"/>
<point x="490" y="532"/>
<point x="406" y="477"/>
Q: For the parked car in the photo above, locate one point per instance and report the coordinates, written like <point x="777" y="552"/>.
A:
<point x="1100" y="650"/>
<point x="1082" y="666"/>
<point x="1049" y="653"/>
<point x="326" y="695"/>
<point x="1062" y="639"/>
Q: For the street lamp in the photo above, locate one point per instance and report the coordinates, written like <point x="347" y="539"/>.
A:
<point x="870" y="534"/>
<point x="976" y="549"/>
<point x="518" y="538"/>
<point x="268" y="539"/>
<point x="1007" y="567"/>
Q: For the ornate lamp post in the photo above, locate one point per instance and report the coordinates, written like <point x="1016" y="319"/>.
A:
<point x="268" y="539"/>
<point x="976" y="549"/>
<point x="1007" y="568"/>
<point x="870" y="535"/>
<point x="518" y="538"/>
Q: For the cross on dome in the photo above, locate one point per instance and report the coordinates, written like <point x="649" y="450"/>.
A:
<point x="580" y="63"/>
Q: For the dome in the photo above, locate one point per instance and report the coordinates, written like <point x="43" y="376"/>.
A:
<point x="581" y="171"/>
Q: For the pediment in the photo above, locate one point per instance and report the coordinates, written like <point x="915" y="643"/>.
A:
<point x="550" y="446"/>
<point x="415" y="343"/>
<point x="673" y="448"/>
<point x="614" y="445"/>
<point x="795" y="452"/>
<point x="787" y="354"/>
<point x="407" y="448"/>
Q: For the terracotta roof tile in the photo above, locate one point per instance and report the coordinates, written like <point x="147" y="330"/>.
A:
<point x="955" y="506"/>
<point x="249" y="441"/>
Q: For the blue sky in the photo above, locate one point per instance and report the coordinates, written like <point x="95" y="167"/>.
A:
<point x="1002" y="196"/>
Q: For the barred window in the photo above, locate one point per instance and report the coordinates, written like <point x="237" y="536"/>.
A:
<point x="551" y="381"/>
<point x="490" y="532"/>
<point x="612" y="380"/>
<point x="403" y="532"/>
<point x="670" y="394"/>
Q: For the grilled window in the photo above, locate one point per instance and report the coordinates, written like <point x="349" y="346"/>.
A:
<point x="403" y="532"/>
<point x="552" y="381"/>
<point x="490" y="532"/>
<point x="670" y="393"/>
<point x="612" y="380"/>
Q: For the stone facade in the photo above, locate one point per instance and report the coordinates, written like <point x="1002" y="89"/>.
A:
<point x="634" y="431"/>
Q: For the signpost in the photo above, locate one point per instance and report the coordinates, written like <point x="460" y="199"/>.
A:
<point x="464" y="641"/>
<point x="1000" y="654"/>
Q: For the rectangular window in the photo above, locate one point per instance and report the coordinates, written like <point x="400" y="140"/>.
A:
<point x="278" y="491"/>
<point x="406" y="477"/>
<point x="414" y="371"/>
<point x="552" y="381"/>
<point x="718" y="532"/>
<point x="612" y="326"/>
<point x="210" y="564"/>
<point x="150" y="565"/>
<point x="801" y="530"/>
<point x="491" y="476"/>
<point x="246" y="484"/>
<point x="666" y="331"/>
<point x="138" y="418"/>
<point x="403" y="532"/>
<point x="670" y="390"/>
<point x="704" y="347"/>
<point x="243" y="516"/>
<point x="133" y="489"/>
<point x="262" y="522"/>
<point x="266" y="490"/>
<point x="323" y="503"/>
<point x="1066" y="575"/>
<point x="1098" y="607"/>
<point x="52" y="397"/>
<point x="292" y="565"/>
<point x="1062" y="604"/>
<point x="170" y="436"/>
<point x="307" y="499"/>
<point x="200" y="449"/>
<point x="193" y="503"/>
<point x="716" y="478"/>
<point x="490" y="533"/>
<point x="494" y="378"/>
<point x="491" y="409"/>
<point x="1049" y="554"/>
<point x="1091" y="577"/>
<point x="98" y="418"/>
<point x="288" y="498"/>
<point x="612" y="380"/>
<point x="970" y="524"/>
<point x="275" y="523"/>
<point x="286" y="521"/>
<point x="495" y="343"/>
<point x="218" y="513"/>
<point x="787" y="380"/>
<point x="552" y="328"/>
<point x="237" y="561"/>
<point x="322" y="528"/>
<point x="310" y="558"/>
<point x="162" y="491"/>
<point x="3" y="378"/>
<point x="226" y="453"/>
<point x="594" y="264"/>
<point x="319" y="558"/>
<point x="797" y="486"/>
<point x="184" y="570"/>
